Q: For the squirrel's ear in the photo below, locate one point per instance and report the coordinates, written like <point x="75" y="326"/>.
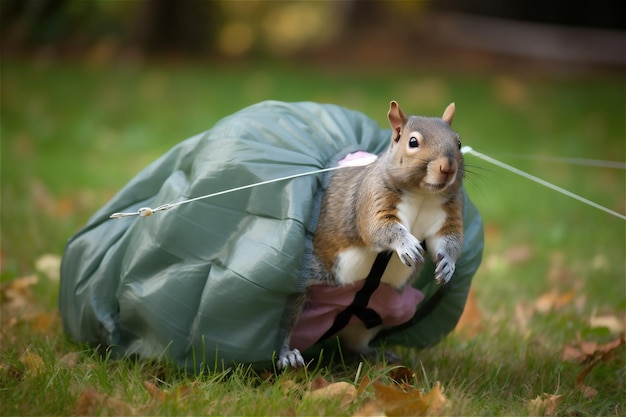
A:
<point x="448" y="114"/>
<point x="397" y="119"/>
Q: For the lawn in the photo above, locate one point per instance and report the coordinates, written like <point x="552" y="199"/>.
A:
<point x="549" y="299"/>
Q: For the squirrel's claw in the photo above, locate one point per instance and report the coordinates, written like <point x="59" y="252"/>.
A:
<point x="444" y="270"/>
<point x="291" y="358"/>
<point x="410" y="252"/>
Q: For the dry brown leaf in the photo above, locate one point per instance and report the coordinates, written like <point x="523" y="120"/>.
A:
<point x="33" y="362"/>
<point x="344" y="391"/>
<point x="402" y="375"/>
<point x="184" y="391"/>
<point x="435" y="400"/>
<point x="588" y="392"/>
<point x="70" y="360"/>
<point x="318" y="383"/>
<point x="614" y="324"/>
<point x="587" y="351"/>
<point x="44" y="322"/>
<point x="155" y="392"/>
<point x="519" y="254"/>
<point x="600" y="353"/>
<point x="396" y="402"/>
<point x="573" y="353"/>
<point x="365" y="383"/>
<point x="609" y="347"/>
<point x="544" y="405"/>
<point x="288" y="385"/>
<point x="91" y="402"/>
<point x="588" y="348"/>
<point x="370" y="409"/>
<point x="18" y="292"/>
<point x="523" y="313"/>
<point x="470" y="323"/>
<point x="553" y="301"/>
<point x="158" y="395"/>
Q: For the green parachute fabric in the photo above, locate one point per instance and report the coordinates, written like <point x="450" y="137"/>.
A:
<point x="207" y="283"/>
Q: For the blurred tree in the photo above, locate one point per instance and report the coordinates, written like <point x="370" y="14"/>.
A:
<point x="174" y="26"/>
<point x="607" y="14"/>
<point x="243" y="28"/>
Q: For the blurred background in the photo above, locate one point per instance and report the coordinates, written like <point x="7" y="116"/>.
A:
<point x="93" y="91"/>
<point x="347" y="32"/>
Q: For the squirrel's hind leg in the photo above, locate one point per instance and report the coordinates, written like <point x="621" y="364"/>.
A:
<point x="291" y="315"/>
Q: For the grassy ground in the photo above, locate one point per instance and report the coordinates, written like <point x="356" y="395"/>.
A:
<point x="553" y="271"/>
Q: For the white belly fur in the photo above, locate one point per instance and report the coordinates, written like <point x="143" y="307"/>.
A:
<point x="422" y="215"/>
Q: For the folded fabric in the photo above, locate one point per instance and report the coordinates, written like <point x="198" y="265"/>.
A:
<point x="324" y="302"/>
<point x="207" y="284"/>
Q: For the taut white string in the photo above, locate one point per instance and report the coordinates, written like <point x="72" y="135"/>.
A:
<point x="567" y="160"/>
<point x="468" y="149"/>
<point x="147" y="211"/>
<point x="352" y="160"/>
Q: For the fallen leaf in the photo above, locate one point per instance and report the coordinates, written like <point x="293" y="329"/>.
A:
<point x="18" y="292"/>
<point x="588" y="392"/>
<point x="614" y="324"/>
<point x="365" y="383"/>
<point x="523" y="313"/>
<point x="470" y="322"/>
<point x="587" y="351"/>
<point x="553" y="301"/>
<point x="49" y="265"/>
<point x="70" y="360"/>
<point x="155" y="392"/>
<point x="402" y="375"/>
<point x="396" y="402"/>
<point x="592" y="354"/>
<point x="184" y="391"/>
<point x="588" y="348"/>
<point x="288" y="385"/>
<point x="344" y="391"/>
<point x="44" y="322"/>
<point x="91" y="402"/>
<point x="318" y="383"/>
<point x="573" y="353"/>
<point x="33" y="362"/>
<point x="435" y="400"/>
<point x="609" y="347"/>
<point x="370" y="409"/>
<point x="518" y="254"/>
<point x="544" y="405"/>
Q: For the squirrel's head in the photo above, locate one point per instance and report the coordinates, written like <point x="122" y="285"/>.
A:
<point x="425" y="152"/>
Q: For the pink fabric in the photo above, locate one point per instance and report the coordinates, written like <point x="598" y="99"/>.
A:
<point x="358" y="158"/>
<point x="324" y="302"/>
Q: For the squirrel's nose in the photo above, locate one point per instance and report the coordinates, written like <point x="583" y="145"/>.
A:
<point x="448" y="166"/>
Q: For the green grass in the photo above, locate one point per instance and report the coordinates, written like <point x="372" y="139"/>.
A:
<point x="73" y="135"/>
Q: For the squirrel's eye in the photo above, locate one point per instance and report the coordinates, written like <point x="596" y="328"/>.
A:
<point x="459" y="143"/>
<point x="413" y="142"/>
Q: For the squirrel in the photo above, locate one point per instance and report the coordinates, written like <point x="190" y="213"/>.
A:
<point x="412" y="193"/>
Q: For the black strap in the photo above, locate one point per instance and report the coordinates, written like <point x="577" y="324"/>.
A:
<point x="358" y="307"/>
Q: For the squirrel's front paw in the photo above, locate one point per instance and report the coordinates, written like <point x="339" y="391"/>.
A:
<point x="445" y="269"/>
<point x="410" y="251"/>
<point x="291" y="358"/>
